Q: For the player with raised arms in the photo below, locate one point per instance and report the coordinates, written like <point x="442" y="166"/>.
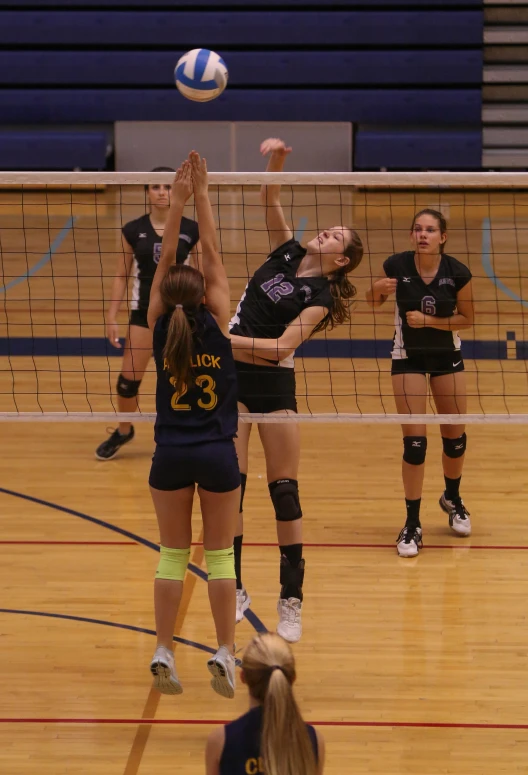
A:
<point x="196" y="420"/>
<point x="296" y="292"/>
<point x="433" y="302"/>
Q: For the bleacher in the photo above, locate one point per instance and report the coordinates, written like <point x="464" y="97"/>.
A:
<point x="409" y="80"/>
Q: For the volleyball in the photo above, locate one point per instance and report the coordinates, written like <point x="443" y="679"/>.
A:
<point x="201" y="75"/>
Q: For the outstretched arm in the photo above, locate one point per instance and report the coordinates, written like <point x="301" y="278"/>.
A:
<point x="278" y="229"/>
<point x="180" y="193"/>
<point x="216" y="284"/>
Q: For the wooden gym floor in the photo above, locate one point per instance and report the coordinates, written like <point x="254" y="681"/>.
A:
<point x="409" y="666"/>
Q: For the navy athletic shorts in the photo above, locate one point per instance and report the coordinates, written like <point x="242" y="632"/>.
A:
<point x="213" y="466"/>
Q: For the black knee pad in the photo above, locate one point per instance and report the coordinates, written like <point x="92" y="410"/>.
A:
<point x="454" y="447"/>
<point x="127" y="388"/>
<point x="243" y="480"/>
<point x="414" y="449"/>
<point x="285" y="498"/>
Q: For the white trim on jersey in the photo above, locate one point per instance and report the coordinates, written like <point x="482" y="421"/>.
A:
<point x="235" y="320"/>
<point x="134" y="304"/>
<point x="398" y="350"/>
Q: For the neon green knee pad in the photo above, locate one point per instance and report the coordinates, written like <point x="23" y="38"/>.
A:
<point x="173" y="563"/>
<point x="220" y="564"/>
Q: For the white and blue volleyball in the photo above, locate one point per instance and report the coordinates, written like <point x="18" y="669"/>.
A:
<point x="201" y="75"/>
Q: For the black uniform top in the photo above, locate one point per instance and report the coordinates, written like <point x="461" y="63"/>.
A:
<point x="275" y="296"/>
<point x="436" y="298"/>
<point x="146" y="244"/>
<point x="208" y="411"/>
<point x="241" y="754"/>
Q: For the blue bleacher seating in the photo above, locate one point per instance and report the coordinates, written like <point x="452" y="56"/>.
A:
<point x="53" y="150"/>
<point x="418" y="149"/>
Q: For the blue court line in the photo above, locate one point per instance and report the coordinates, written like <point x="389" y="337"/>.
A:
<point x="252" y="618"/>
<point x="45" y="258"/>
<point x="488" y="268"/>
<point x="303" y="223"/>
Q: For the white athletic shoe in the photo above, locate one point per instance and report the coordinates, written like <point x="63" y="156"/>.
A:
<point x="459" y="520"/>
<point x="162" y="668"/>
<point x="222" y="668"/>
<point x="243" y="601"/>
<point x="290" y="624"/>
<point x="409" y="542"/>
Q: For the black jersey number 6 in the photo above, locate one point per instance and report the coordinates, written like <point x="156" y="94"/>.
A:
<point x="208" y="402"/>
<point x="429" y="305"/>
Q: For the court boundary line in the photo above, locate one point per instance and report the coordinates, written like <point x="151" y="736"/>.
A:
<point x="216" y="722"/>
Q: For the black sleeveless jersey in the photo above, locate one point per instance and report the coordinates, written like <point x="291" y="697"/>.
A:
<point x="146" y="244"/>
<point x="275" y="296"/>
<point x="208" y="411"/>
<point x="437" y="298"/>
<point x="241" y="754"/>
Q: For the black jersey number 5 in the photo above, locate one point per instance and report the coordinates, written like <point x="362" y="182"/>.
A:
<point x="429" y="305"/>
<point x="208" y="401"/>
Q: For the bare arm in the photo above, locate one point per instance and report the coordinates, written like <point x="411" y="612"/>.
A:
<point x="380" y="291"/>
<point x="119" y="284"/>
<point x="298" y="331"/>
<point x="213" y="751"/>
<point x="181" y="191"/>
<point x="463" y="318"/>
<point x="278" y="229"/>
<point x="216" y="284"/>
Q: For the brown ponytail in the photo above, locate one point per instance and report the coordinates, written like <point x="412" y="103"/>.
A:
<point x="341" y="288"/>
<point x="182" y="290"/>
<point x="269" y="671"/>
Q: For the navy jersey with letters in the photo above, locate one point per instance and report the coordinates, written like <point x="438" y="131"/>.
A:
<point x="208" y="411"/>
<point x="275" y="296"/>
<point x="241" y="754"/>
<point x="146" y="244"/>
<point x="437" y="298"/>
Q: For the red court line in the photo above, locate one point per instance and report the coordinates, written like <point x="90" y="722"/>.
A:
<point x="391" y="546"/>
<point x="70" y="543"/>
<point x="215" y="722"/>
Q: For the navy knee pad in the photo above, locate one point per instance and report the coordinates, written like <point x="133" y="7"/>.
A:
<point x="454" y="447"/>
<point x="127" y="388"/>
<point x="414" y="449"/>
<point x="285" y="498"/>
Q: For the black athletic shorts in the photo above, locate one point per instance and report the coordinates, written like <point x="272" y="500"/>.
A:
<point x="436" y="364"/>
<point x="138" y="317"/>
<point x="265" y="389"/>
<point x="213" y="466"/>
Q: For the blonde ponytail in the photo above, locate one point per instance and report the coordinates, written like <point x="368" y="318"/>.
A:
<point x="269" y="669"/>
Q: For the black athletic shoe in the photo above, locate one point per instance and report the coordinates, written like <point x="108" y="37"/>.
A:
<point x="109" y="448"/>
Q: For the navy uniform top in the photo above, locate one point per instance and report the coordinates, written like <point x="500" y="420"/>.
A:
<point x="437" y="298"/>
<point x="207" y="411"/>
<point x="146" y="244"/>
<point x="241" y="754"/>
<point x="275" y="296"/>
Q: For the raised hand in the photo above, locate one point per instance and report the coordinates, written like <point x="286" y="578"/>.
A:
<point x="199" y="173"/>
<point x="182" y="185"/>
<point x="275" y="145"/>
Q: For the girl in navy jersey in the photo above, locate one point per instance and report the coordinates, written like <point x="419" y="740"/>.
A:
<point x="296" y="292"/>
<point x="141" y="240"/>
<point x="272" y="737"/>
<point x="196" y="420"/>
<point x="433" y="302"/>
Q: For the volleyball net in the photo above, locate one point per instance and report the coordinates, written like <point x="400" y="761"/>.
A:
<point x="60" y="242"/>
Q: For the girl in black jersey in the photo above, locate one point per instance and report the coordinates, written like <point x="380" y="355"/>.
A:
<point x="196" y="420"/>
<point x="272" y="737"/>
<point x="296" y="292"/>
<point x="141" y="240"/>
<point x="433" y="302"/>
